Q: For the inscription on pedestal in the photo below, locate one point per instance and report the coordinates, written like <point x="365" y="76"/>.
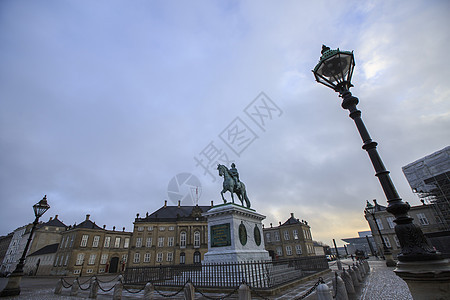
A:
<point x="220" y="235"/>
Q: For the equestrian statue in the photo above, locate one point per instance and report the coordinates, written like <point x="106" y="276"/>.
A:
<point x="232" y="184"/>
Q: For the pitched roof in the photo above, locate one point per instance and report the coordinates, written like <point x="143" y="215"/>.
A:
<point x="171" y="213"/>
<point x="87" y="224"/>
<point x="49" y="249"/>
<point x="55" y="222"/>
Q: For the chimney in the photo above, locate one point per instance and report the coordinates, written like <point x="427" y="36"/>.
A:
<point x="104" y="226"/>
<point x="51" y="218"/>
<point x="56" y="217"/>
<point x="279" y="223"/>
<point x="87" y="217"/>
<point x="292" y="215"/>
<point x="271" y="225"/>
<point x="212" y="203"/>
<point x="165" y="203"/>
<point x="123" y="229"/>
<point x="114" y="228"/>
<point x="179" y="203"/>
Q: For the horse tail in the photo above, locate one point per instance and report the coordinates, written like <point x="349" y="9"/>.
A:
<point x="247" y="201"/>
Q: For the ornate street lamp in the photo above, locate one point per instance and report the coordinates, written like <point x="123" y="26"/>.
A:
<point x="387" y="255"/>
<point x="13" y="286"/>
<point x="335" y="70"/>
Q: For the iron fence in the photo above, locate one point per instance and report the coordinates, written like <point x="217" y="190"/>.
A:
<point x="259" y="274"/>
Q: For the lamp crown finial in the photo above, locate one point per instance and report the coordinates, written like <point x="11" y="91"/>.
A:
<point x="324" y="49"/>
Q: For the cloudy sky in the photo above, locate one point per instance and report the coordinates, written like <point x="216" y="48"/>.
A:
<point x="109" y="107"/>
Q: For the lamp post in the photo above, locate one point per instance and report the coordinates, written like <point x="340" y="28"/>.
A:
<point x="419" y="265"/>
<point x="13" y="286"/>
<point x="387" y="255"/>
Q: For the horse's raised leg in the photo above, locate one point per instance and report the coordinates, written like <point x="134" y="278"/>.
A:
<point x="232" y="197"/>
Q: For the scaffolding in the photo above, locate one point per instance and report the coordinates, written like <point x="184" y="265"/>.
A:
<point x="429" y="178"/>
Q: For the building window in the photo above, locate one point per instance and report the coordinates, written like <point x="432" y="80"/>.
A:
<point x="56" y="261"/>
<point x="286" y="235"/>
<point x="84" y="240"/>
<point x="183" y="239"/>
<point x="288" y="250"/>
<point x="66" y="260"/>
<point x="124" y="258"/>
<point x="104" y="259"/>
<point x="170" y="241"/>
<point x="279" y="251"/>
<point x="161" y="241"/>
<point x="67" y="242"/>
<point x="138" y="242"/>
<point x="397" y="242"/>
<point x="91" y="260"/>
<point x="422" y="219"/>
<point x="268" y="237"/>
<point x="62" y="242"/>
<point x="140" y="228"/>
<point x="390" y="221"/>
<point x="182" y="258"/>
<point x="380" y="224"/>
<point x="169" y="256"/>
<point x="150" y="228"/>
<point x="162" y="228"/>
<point x="117" y="242"/>
<point x="295" y="234"/>
<point x="277" y="236"/>
<point x="148" y="242"/>
<point x="387" y="242"/>
<point x="107" y="241"/>
<point x="126" y="242"/>
<point x="137" y="257"/>
<point x="298" y="249"/>
<point x="197" y="257"/>
<point x="159" y="257"/>
<point x="171" y="228"/>
<point x="147" y="257"/>
<point x="95" y="241"/>
<point x="80" y="259"/>
<point x="197" y="239"/>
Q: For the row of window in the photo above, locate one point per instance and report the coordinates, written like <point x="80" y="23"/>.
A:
<point x="298" y="250"/>
<point x="67" y="241"/>
<point x="92" y="258"/>
<point x="150" y="228"/>
<point x="170" y="241"/>
<point x="287" y="235"/>
<point x="169" y="257"/>
<point x="390" y="220"/>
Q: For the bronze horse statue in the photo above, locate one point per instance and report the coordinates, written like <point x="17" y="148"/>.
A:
<point x="229" y="184"/>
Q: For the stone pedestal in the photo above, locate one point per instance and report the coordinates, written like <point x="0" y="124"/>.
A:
<point x="426" y="280"/>
<point x="234" y="235"/>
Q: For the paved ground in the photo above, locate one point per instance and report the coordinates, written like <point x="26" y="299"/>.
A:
<point x="381" y="283"/>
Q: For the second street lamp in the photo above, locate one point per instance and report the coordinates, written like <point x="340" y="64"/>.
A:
<point x="387" y="255"/>
<point x="13" y="286"/>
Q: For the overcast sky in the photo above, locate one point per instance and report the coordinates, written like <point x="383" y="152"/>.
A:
<point x="105" y="103"/>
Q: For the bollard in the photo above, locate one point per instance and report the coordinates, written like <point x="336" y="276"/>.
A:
<point x="353" y="276"/>
<point x="149" y="291"/>
<point x="339" y="288"/>
<point x="58" y="287"/>
<point x="358" y="275"/>
<point x="118" y="289"/>
<point x="361" y="270"/>
<point x="348" y="283"/>
<point x="323" y="292"/>
<point x="74" y="290"/>
<point x="189" y="292"/>
<point x="94" y="288"/>
<point x="244" y="292"/>
<point x="366" y="263"/>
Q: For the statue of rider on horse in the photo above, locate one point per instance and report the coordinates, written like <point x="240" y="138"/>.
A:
<point x="232" y="184"/>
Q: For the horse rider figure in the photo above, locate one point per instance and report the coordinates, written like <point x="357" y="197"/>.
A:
<point x="235" y="174"/>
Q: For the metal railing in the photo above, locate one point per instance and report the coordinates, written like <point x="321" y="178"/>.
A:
<point x="259" y="274"/>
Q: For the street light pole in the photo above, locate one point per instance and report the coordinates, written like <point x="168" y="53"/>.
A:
<point x="387" y="255"/>
<point x="335" y="70"/>
<point x="13" y="286"/>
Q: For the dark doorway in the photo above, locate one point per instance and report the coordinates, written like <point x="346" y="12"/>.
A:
<point x="113" y="265"/>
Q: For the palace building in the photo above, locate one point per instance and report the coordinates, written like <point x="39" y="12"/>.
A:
<point x="87" y="249"/>
<point x="290" y="239"/>
<point x="171" y="235"/>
